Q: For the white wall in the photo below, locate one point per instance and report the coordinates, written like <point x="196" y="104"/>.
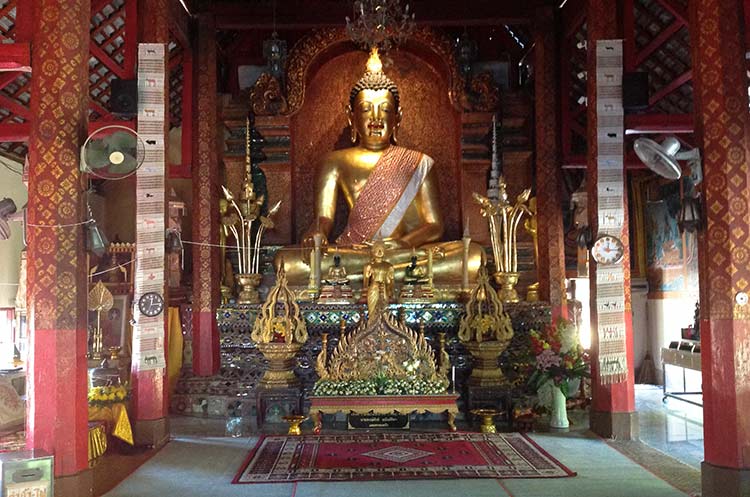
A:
<point x="666" y="317"/>
<point x="11" y="187"/>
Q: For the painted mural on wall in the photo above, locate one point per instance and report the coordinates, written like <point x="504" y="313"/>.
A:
<point x="672" y="257"/>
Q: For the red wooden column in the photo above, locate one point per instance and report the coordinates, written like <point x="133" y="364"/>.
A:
<point x="613" y="407"/>
<point x="206" y="269"/>
<point x="551" y="263"/>
<point x="57" y="418"/>
<point x="723" y="123"/>
<point x="149" y="388"/>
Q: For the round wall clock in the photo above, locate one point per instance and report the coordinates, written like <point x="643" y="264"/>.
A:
<point x="151" y="304"/>
<point x="607" y="249"/>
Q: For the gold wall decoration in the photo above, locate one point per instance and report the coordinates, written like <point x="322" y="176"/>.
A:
<point x="381" y="347"/>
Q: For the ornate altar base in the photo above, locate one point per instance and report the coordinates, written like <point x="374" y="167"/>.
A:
<point x="384" y="404"/>
<point x="234" y="388"/>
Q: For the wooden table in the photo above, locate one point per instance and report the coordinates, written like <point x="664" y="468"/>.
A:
<point x="384" y="404"/>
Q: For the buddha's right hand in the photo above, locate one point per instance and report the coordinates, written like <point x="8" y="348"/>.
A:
<point x="308" y="243"/>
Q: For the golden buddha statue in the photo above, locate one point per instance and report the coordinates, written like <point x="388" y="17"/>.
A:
<point x="417" y="284"/>
<point x="377" y="279"/>
<point x="335" y="288"/>
<point x="390" y="190"/>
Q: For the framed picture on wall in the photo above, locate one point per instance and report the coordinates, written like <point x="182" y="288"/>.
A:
<point x="116" y="325"/>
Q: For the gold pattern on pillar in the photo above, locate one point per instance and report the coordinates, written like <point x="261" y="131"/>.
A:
<point x="721" y="98"/>
<point x="550" y="241"/>
<point x="56" y="257"/>
<point x="205" y="178"/>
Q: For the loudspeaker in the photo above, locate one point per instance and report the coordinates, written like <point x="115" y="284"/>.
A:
<point x="635" y="91"/>
<point x="124" y="96"/>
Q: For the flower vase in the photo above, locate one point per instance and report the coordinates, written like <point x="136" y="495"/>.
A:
<point x="559" y="418"/>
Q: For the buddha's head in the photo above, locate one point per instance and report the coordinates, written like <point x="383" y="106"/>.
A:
<point x="377" y="251"/>
<point x="374" y="113"/>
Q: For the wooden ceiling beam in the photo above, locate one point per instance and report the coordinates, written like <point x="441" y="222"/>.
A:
<point x="327" y="13"/>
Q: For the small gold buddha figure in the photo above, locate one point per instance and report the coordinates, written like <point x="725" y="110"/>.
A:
<point x="388" y="189"/>
<point x="416" y="286"/>
<point x="335" y="288"/>
<point x="377" y="279"/>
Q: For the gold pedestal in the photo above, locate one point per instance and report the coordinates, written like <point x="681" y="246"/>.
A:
<point x="486" y="372"/>
<point x="532" y="292"/>
<point x="280" y="372"/>
<point x="248" y="288"/>
<point x="488" y="421"/>
<point x="294" y="421"/>
<point x="507" y="282"/>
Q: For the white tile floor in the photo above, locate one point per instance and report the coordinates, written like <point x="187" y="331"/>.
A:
<point x="197" y="463"/>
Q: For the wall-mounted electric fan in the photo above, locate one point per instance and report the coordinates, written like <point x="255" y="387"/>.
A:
<point x="112" y="152"/>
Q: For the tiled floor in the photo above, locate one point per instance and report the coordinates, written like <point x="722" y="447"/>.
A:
<point x="673" y="427"/>
<point x="198" y="461"/>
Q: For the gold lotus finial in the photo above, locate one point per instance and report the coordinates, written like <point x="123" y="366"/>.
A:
<point x="373" y="63"/>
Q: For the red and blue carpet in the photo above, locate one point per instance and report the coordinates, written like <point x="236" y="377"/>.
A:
<point x="385" y="456"/>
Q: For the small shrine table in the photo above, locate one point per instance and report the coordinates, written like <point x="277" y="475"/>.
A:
<point x="383" y="404"/>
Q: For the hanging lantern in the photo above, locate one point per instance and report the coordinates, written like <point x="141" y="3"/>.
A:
<point x="689" y="218"/>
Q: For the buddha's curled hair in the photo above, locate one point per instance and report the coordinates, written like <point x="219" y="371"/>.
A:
<point x="374" y="81"/>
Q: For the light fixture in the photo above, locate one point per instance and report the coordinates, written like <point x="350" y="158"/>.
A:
<point x="689" y="218"/>
<point x="379" y="23"/>
<point x="582" y="45"/>
<point x="466" y="53"/>
<point x="96" y="241"/>
<point x="274" y="51"/>
<point x="582" y="100"/>
<point x="582" y="75"/>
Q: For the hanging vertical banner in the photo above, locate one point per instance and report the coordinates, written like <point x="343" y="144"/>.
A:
<point x="610" y="289"/>
<point x="148" y="331"/>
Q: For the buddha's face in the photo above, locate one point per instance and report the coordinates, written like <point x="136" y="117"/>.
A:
<point x="375" y="117"/>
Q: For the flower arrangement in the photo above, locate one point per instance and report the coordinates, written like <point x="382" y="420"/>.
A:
<point x="106" y="396"/>
<point x="380" y="385"/>
<point x="558" y="356"/>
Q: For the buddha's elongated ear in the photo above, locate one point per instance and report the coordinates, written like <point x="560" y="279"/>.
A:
<point x="399" y="116"/>
<point x="352" y="127"/>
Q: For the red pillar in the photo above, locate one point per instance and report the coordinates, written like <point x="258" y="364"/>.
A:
<point x="149" y="388"/>
<point x="613" y="407"/>
<point x="550" y="236"/>
<point x="206" y="269"/>
<point x="722" y="123"/>
<point x="57" y="291"/>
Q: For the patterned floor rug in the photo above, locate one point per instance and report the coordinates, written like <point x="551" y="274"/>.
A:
<point x="385" y="456"/>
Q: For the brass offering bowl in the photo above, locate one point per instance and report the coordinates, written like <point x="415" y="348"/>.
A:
<point x="294" y="421"/>
<point x="487" y="415"/>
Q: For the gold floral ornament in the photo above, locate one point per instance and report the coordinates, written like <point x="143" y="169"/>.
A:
<point x="108" y="395"/>
<point x="279" y="331"/>
<point x="381" y="357"/>
<point x="280" y="319"/>
<point x="486" y="330"/>
<point x="503" y="219"/>
<point x="100" y="300"/>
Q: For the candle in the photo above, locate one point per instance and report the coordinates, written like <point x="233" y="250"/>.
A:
<point x="318" y="239"/>
<point x="429" y="266"/>
<point x="467" y="232"/>
<point x="453" y="378"/>
<point x="465" y="263"/>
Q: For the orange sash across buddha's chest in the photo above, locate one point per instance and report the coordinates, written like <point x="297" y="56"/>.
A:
<point x="383" y="189"/>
